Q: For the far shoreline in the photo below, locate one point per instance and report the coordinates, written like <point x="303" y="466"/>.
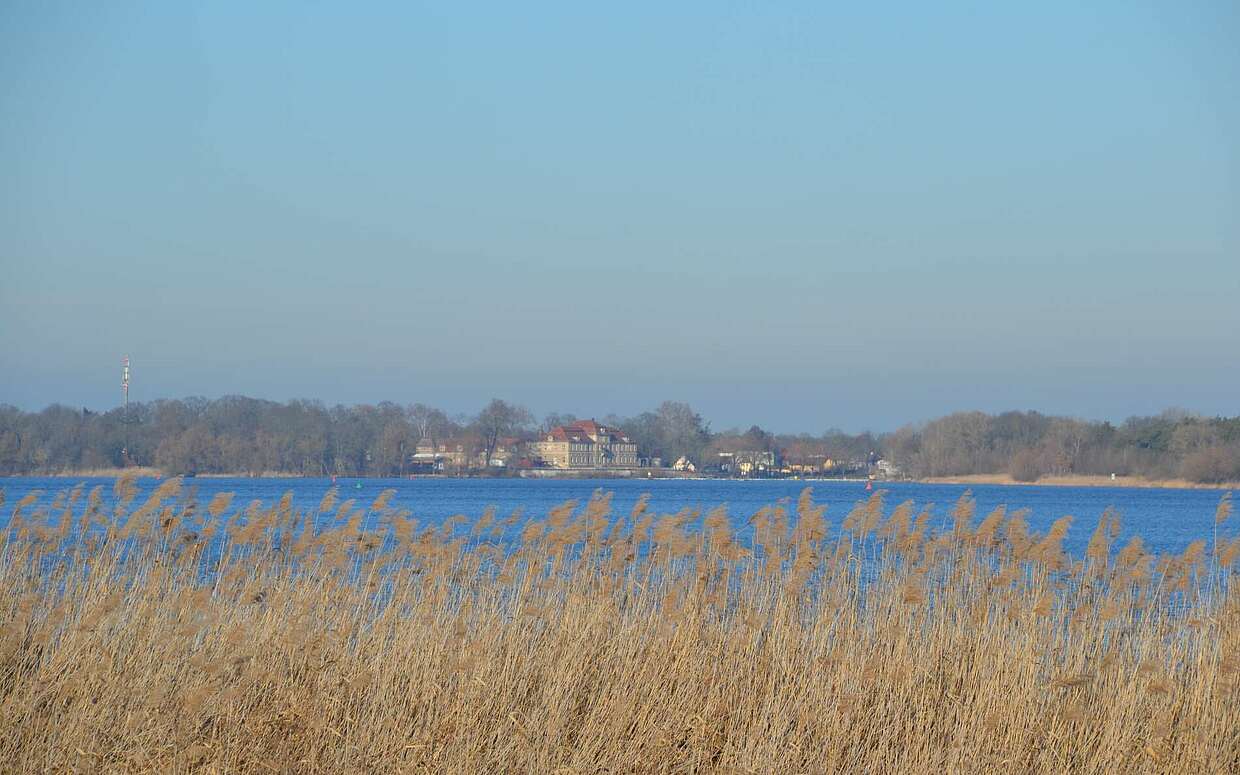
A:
<point x="965" y="480"/>
<point x="1079" y="480"/>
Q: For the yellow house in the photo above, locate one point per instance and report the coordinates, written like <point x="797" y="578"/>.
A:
<point x="586" y="444"/>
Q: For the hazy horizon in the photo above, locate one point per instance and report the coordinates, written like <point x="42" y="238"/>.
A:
<point x="800" y="217"/>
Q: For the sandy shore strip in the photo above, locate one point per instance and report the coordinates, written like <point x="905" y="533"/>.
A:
<point x="1082" y="480"/>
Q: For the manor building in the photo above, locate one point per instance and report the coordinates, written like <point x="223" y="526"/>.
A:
<point x="585" y="444"/>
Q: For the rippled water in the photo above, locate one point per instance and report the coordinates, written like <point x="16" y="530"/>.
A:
<point x="1167" y="519"/>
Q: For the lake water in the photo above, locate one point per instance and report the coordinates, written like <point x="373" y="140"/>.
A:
<point x="1167" y="519"/>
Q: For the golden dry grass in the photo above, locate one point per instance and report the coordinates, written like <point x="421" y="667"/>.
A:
<point x="1080" y="480"/>
<point x="645" y="643"/>
<point x="106" y="473"/>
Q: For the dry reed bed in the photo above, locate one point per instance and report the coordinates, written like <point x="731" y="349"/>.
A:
<point x="173" y="637"/>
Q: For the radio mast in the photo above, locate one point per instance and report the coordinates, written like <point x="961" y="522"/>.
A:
<point x="125" y="420"/>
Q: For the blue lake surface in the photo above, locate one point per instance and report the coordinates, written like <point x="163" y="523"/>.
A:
<point x="1167" y="519"/>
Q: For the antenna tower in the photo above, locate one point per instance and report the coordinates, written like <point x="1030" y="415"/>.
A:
<point x="125" y="395"/>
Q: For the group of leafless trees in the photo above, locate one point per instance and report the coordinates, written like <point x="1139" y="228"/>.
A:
<point x="1029" y="446"/>
<point x="235" y="434"/>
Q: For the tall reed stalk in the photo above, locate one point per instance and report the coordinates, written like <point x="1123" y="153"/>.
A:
<point x="257" y="638"/>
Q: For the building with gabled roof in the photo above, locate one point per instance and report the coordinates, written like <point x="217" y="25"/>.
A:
<point x="585" y="444"/>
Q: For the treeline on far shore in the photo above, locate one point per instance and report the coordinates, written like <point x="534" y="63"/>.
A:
<point x="235" y="434"/>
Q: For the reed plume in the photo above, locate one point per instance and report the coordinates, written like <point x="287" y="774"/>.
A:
<point x="675" y="642"/>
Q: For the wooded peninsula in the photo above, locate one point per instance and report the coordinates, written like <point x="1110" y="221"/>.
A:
<point x="235" y="434"/>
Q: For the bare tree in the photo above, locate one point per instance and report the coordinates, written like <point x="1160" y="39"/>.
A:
<point x="555" y="419"/>
<point x="429" y="423"/>
<point x="497" y="420"/>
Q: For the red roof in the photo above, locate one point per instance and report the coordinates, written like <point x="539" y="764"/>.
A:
<point x="581" y="430"/>
<point x="566" y="434"/>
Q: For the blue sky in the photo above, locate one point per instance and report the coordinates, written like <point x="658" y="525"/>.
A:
<point x="802" y="215"/>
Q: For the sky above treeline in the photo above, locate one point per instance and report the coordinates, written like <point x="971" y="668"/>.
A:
<point x="801" y="215"/>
